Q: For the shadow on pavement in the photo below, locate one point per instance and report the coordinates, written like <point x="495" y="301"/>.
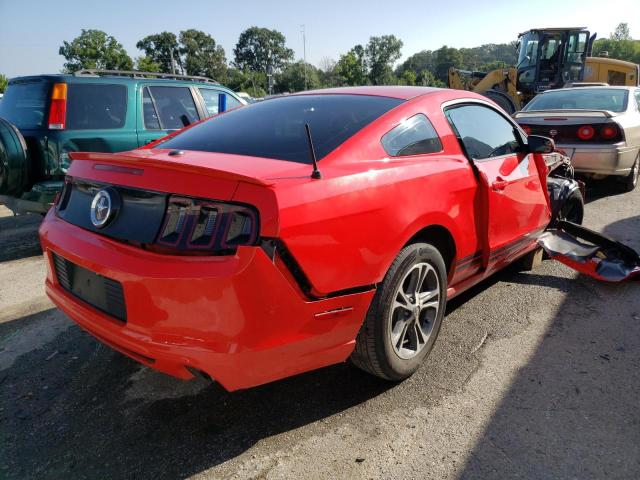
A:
<point x="572" y="412"/>
<point x="76" y="409"/>
<point x="19" y="237"/>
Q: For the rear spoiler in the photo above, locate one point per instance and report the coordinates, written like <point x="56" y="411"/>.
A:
<point x="565" y="113"/>
<point x="143" y="158"/>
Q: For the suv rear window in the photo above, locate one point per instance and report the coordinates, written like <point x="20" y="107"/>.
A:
<point x="25" y="103"/>
<point x="276" y="128"/>
<point x="96" y="106"/>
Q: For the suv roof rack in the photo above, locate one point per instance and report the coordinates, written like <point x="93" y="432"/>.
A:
<point x="90" y="72"/>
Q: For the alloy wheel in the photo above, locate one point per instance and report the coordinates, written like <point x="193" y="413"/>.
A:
<point x="414" y="311"/>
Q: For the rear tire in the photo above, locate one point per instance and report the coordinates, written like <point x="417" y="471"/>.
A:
<point x="573" y="208"/>
<point x="630" y="182"/>
<point x="502" y="99"/>
<point x="405" y="315"/>
<point x="14" y="168"/>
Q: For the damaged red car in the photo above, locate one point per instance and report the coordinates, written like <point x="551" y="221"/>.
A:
<point x="298" y="232"/>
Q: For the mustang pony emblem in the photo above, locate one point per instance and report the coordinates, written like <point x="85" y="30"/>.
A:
<point x="102" y="210"/>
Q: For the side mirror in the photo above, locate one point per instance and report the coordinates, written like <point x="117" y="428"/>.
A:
<point x="539" y="144"/>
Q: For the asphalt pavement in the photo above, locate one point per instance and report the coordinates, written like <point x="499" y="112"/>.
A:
<point x="534" y="375"/>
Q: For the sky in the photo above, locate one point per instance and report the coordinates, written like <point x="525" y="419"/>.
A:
<point x="31" y="31"/>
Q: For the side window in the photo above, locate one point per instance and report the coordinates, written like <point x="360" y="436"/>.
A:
<point x="638" y="98"/>
<point x="484" y="132"/>
<point x="149" y="113"/>
<point x="232" y="102"/>
<point x="211" y="100"/>
<point x="175" y="107"/>
<point x="96" y="106"/>
<point x="414" y="136"/>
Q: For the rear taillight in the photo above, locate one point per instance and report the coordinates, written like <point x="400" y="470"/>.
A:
<point x="609" y="132"/>
<point x="586" y="132"/>
<point x="206" y="227"/>
<point x="58" y="107"/>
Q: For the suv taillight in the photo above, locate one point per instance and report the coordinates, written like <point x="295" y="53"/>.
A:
<point x="58" y="107"/>
<point x="194" y="226"/>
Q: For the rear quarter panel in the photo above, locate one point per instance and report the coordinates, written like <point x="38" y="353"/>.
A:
<point x="346" y="229"/>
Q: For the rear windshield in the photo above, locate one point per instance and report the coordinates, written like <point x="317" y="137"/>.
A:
<point x="612" y="99"/>
<point x="25" y="104"/>
<point x="276" y="128"/>
<point x="96" y="106"/>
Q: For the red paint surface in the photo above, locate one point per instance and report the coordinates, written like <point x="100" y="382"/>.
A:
<point x="242" y="318"/>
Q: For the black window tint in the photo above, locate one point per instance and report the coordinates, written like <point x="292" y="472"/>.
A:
<point x="276" y="128"/>
<point x="484" y="132"/>
<point x="211" y="100"/>
<point x="414" y="136"/>
<point x="150" y="116"/>
<point x="25" y="104"/>
<point x="175" y="106"/>
<point x="96" y="106"/>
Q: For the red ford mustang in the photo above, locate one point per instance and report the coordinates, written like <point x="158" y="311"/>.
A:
<point x="223" y="250"/>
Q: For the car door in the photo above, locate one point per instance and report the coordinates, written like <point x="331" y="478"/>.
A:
<point x="164" y="109"/>
<point x="515" y="208"/>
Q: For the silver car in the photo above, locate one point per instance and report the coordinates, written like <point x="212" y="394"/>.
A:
<point x="597" y="127"/>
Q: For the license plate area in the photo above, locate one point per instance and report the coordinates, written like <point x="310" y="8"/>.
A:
<point x="102" y="293"/>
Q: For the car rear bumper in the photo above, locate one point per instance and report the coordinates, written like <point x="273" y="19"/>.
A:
<point x="237" y="318"/>
<point x="602" y="159"/>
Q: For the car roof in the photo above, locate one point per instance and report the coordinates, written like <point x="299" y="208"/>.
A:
<point x="593" y="87"/>
<point x="123" y="80"/>
<point x="400" y="92"/>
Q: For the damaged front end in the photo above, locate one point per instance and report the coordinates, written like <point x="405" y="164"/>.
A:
<point x="589" y="252"/>
<point x="578" y="247"/>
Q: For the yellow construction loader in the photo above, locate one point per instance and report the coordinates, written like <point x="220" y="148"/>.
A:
<point x="548" y="58"/>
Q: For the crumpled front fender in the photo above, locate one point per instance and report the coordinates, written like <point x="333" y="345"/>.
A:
<point x="590" y="253"/>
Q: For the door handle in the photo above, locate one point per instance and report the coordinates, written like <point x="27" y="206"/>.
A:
<point x="499" y="184"/>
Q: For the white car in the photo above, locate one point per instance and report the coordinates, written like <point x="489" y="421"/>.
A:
<point x="597" y="127"/>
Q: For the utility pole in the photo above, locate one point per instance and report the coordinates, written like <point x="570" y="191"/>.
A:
<point x="304" y="53"/>
<point x="173" y="63"/>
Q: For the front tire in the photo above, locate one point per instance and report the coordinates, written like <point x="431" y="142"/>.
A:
<point x="405" y="315"/>
<point x="630" y="182"/>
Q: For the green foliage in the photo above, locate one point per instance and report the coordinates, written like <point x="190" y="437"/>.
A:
<point x="292" y="77"/>
<point x="4" y="81"/>
<point x="426" y="78"/>
<point x="619" y="45"/>
<point x="261" y="50"/>
<point x="382" y="52"/>
<point x="94" y="49"/>
<point x="146" y="64"/>
<point x="202" y="56"/>
<point x="160" y="48"/>
<point x="250" y="82"/>
<point x="351" y="68"/>
<point x="446" y="58"/>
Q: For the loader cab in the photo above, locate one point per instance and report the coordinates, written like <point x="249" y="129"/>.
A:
<point x="550" y="58"/>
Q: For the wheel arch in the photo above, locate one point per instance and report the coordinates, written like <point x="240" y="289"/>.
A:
<point x="441" y="238"/>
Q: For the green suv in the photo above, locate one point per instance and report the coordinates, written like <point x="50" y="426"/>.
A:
<point x="44" y="117"/>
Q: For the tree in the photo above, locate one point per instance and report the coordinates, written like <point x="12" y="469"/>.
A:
<point x="445" y="58"/>
<point x="261" y="50"/>
<point x="424" y="60"/>
<point x="382" y="52"/>
<point x="4" y="81"/>
<point x="621" y="32"/>
<point x="426" y="78"/>
<point x="292" y="77"/>
<point x="201" y="55"/>
<point x="95" y="49"/>
<point x="328" y="73"/>
<point x="250" y="82"/>
<point x="146" y="64"/>
<point x="162" y="49"/>
<point x="352" y="67"/>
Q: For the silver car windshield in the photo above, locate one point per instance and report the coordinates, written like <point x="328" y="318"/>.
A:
<point x="612" y="99"/>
